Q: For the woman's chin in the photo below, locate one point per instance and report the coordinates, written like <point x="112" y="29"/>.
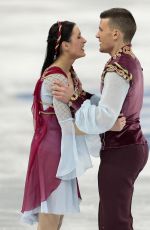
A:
<point x="83" y="54"/>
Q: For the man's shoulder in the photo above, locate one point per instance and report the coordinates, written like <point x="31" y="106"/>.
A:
<point x="121" y="65"/>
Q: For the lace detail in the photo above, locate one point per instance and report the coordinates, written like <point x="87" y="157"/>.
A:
<point x="62" y="110"/>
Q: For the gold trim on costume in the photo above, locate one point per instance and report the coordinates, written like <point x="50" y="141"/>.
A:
<point x="46" y="113"/>
<point x="115" y="67"/>
<point x="126" y="50"/>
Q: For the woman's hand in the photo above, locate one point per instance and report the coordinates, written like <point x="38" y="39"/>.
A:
<point x="119" y="124"/>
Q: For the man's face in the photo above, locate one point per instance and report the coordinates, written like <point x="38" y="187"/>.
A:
<point x="105" y="36"/>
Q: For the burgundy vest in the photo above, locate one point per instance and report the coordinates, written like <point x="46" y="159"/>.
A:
<point x="125" y="64"/>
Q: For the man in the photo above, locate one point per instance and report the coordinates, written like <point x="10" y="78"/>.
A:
<point x="124" y="153"/>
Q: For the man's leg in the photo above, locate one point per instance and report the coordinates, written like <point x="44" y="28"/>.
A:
<point x="49" y="221"/>
<point x="100" y="216"/>
<point x="115" y="195"/>
<point x="117" y="173"/>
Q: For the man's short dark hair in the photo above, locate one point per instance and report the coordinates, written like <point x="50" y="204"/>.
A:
<point x="121" y="19"/>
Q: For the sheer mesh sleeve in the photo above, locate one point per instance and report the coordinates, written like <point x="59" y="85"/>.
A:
<point x="75" y="150"/>
<point x="62" y="110"/>
<point x="75" y="158"/>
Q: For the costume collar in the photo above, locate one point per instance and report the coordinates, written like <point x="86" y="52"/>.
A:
<point x="123" y="50"/>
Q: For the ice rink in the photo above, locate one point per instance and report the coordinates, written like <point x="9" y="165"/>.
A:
<point x="23" y="33"/>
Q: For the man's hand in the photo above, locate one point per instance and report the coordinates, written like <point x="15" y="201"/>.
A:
<point x="119" y="124"/>
<point x="63" y="92"/>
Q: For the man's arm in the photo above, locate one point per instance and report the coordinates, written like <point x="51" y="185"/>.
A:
<point x="99" y="119"/>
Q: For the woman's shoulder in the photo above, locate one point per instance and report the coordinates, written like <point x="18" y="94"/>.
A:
<point x="54" y="76"/>
<point x="54" y="72"/>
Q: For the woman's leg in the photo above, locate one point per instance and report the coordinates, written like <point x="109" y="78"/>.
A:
<point x="49" y="222"/>
<point x="60" y="221"/>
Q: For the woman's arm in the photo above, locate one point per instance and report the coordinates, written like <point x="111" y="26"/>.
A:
<point x="62" y="110"/>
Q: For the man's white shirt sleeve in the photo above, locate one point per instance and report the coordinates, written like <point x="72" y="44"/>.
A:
<point x="96" y="119"/>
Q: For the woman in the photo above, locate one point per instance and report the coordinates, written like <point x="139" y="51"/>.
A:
<point x="57" y="155"/>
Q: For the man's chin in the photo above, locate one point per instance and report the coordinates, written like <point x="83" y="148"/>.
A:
<point x="102" y="50"/>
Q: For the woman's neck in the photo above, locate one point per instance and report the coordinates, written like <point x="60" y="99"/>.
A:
<point x="63" y="63"/>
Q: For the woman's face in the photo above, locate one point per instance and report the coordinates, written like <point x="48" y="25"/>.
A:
<point x="76" y="44"/>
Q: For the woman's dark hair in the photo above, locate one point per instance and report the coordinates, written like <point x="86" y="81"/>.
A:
<point x="123" y="20"/>
<point x="52" y="40"/>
